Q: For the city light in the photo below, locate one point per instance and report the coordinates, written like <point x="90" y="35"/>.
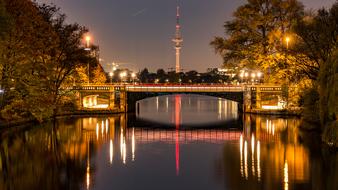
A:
<point x="111" y="74"/>
<point x="87" y="39"/>
<point x="287" y="39"/>
<point x="111" y="151"/>
<point x="133" y="76"/>
<point x="122" y="75"/>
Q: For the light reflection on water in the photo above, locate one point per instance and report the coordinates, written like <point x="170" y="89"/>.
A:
<point x="185" y="109"/>
<point x="111" y="152"/>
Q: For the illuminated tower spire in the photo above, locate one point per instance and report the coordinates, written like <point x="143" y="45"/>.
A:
<point x="178" y="40"/>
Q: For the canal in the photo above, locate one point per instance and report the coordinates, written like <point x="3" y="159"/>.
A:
<point x="174" y="142"/>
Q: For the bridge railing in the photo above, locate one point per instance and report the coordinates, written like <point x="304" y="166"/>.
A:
<point x="94" y="87"/>
<point x="177" y="88"/>
<point x="184" y="88"/>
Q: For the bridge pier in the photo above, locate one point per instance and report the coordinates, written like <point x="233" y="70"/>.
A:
<point x="258" y="98"/>
<point x="123" y="99"/>
<point x="247" y="103"/>
<point x="111" y="100"/>
<point x="79" y="102"/>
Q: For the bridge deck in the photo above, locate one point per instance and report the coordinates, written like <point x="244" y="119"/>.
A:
<point x="177" y="88"/>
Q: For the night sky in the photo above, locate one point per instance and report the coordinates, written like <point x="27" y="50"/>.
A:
<point x="138" y="33"/>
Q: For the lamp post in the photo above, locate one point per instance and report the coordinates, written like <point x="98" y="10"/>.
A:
<point x="241" y="76"/>
<point x="253" y="78"/>
<point x="246" y="76"/>
<point x="259" y="75"/>
<point x="87" y="38"/>
<point x="111" y="74"/>
<point x="133" y="75"/>
<point x="287" y="39"/>
<point x="122" y="75"/>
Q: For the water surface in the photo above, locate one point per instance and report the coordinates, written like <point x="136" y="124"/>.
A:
<point x="119" y="152"/>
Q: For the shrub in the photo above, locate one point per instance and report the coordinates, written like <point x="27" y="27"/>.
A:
<point x="14" y="111"/>
<point x="330" y="135"/>
<point x="311" y="106"/>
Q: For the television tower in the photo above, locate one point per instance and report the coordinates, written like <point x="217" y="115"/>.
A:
<point x="178" y="40"/>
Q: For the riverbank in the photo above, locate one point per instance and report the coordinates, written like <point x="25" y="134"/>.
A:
<point x="29" y="121"/>
<point x="284" y="112"/>
<point x="90" y="112"/>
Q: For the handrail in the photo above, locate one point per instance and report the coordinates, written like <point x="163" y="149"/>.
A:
<point x="177" y="88"/>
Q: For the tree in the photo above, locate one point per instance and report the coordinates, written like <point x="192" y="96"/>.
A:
<point x="161" y="75"/>
<point x="144" y="75"/>
<point x="4" y="20"/>
<point x="316" y="39"/>
<point x="40" y="57"/>
<point x="192" y="76"/>
<point x="317" y="36"/>
<point x="81" y="75"/>
<point x="23" y="47"/>
<point x="99" y="75"/>
<point x="255" y="37"/>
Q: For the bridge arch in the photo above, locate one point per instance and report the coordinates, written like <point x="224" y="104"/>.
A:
<point x="95" y="100"/>
<point x="134" y="97"/>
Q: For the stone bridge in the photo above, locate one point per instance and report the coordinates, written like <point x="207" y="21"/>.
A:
<point x="123" y="97"/>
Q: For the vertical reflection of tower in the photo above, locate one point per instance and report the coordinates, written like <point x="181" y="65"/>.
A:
<point x="178" y="40"/>
<point x="177" y="111"/>
<point x="177" y="125"/>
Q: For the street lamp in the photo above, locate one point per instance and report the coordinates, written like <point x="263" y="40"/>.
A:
<point x="246" y="76"/>
<point x="87" y="42"/>
<point x="241" y="76"/>
<point x="259" y="75"/>
<point x="133" y="75"/>
<point x="122" y="75"/>
<point x="253" y="76"/>
<point x="87" y="38"/>
<point x="111" y="74"/>
<point x="287" y="39"/>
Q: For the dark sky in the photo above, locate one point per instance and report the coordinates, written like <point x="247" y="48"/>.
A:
<point x="138" y="33"/>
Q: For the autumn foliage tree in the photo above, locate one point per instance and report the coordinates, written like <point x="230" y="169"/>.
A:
<point x="40" y="55"/>
<point x="255" y="37"/>
<point x="99" y="75"/>
<point x="317" y="39"/>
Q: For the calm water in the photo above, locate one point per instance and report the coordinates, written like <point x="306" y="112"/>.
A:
<point x="153" y="151"/>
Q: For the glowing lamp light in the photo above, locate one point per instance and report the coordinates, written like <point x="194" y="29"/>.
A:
<point x="111" y="74"/>
<point x="287" y="39"/>
<point x="87" y="38"/>
<point x="123" y="74"/>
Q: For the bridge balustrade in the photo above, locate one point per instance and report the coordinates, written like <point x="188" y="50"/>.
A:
<point x="185" y="88"/>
